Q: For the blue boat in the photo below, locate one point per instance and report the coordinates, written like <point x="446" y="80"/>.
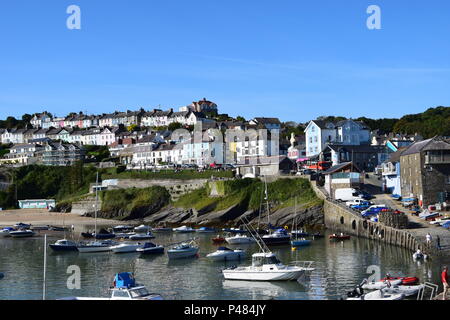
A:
<point x="205" y="230"/>
<point x="300" y="243"/>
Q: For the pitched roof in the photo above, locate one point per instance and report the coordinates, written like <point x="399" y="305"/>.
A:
<point x="340" y="167"/>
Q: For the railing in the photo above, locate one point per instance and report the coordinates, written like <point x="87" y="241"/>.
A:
<point x="302" y="264"/>
<point x="431" y="286"/>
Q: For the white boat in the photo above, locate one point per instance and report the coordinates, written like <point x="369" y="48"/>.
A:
<point x="377" y="285"/>
<point x="378" y="295"/>
<point x="240" y="239"/>
<point x="183" y="229"/>
<point x="183" y="250"/>
<point x="405" y="290"/>
<point x="126" y="247"/>
<point x="266" y="267"/>
<point x="226" y="254"/>
<point x="96" y="246"/>
<point x="125" y="288"/>
<point x="21" y="225"/>
<point x="142" y="236"/>
<point x="21" y="233"/>
<point x="142" y="228"/>
<point x="5" y="232"/>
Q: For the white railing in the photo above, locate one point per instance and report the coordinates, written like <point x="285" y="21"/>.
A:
<point x="302" y="264"/>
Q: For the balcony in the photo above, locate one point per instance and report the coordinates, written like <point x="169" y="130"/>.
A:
<point x="437" y="157"/>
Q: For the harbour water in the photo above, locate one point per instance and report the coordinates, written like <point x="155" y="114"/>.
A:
<point x="340" y="266"/>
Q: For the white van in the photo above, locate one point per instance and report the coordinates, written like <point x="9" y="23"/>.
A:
<point x="346" y="194"/>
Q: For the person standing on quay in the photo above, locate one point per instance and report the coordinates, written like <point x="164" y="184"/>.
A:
<point x="444" y="278"/>
<point x="438" y="242"/>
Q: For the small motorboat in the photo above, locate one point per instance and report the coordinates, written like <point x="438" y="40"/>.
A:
<point x="124" y="288"/>
<point x="280" y="236"/>
<point x="142" y="228"/>
<point x="150" y="248"/>
<point x="378" y="295"/>
<point x="205" y="230"/>
<point x="240" y="239"/>
<point x="226" y="254"/>
<point x="339" y="237"/>
<point x="142" y="236"/>
<point x="300" y="243"/>
<point x="183" y="229"/>
<point x="183" y="250"/>
<point x="377" y="285"/>
<point x="21" y="225"/>
<point x="22" y="233"/>
<point x="126" y="247"/>
<point x="266" y="267"/>
<point x="96" y="246"/>
<point x="122" y="228"/>
<point x="406" y="281"/>
<point x="218" y="239"/>
<point x="64" y="245"/>
<point x="407" y="291"/>
<point x="5" y="232"/>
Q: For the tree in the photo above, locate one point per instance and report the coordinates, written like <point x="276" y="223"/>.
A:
<point x="174" y="126"/>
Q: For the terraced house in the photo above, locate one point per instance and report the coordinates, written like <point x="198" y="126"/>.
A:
<point x="62" y="154"/>
<point x="425" y="171"/>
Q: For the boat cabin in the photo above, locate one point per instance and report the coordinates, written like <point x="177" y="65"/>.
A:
<point x="260" y="259"/>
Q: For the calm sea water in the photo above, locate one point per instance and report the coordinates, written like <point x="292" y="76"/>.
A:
<point x="339" y="267"/>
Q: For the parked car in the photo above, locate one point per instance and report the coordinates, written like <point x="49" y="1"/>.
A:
<point x="346" y="194"/>
<point x="375" y="209"/>
<point x="358" y="201"/>
<point x="365" y="195"/>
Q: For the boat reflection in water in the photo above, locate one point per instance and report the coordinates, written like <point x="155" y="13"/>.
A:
<point x="256" y="289"/>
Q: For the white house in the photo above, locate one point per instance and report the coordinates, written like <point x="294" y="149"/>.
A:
<point x="320" y="133"/>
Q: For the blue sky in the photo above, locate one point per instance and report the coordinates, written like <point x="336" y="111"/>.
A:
<point x="292" y="59"/>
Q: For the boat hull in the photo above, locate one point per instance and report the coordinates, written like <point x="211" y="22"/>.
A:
<point x="17" y="234"/>
<point x="62" y="248"/>
<point x="277" y="240"/>
<point x="300" y="243"/>
<point x="262" y="276"/>
<point x="181" y="254"/>
<point x="89" y="249"/>
<point x="229" y="256"/>
<point x="245" y="240"/>
<point x="149" y="251"/>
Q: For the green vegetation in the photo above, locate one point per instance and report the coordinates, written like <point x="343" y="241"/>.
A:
<point x="131" y="203"/>
<point x="165" y="174"/>
<point x="96" y="153"/>
<point x="250" y="194"/>
<point x="43" y="182"/>
<point x="433" y="122"/>
<point x="4" y="149"/>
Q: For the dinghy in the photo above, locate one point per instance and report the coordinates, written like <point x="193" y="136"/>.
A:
<point x="21" y="233"/>
<point x="405" y="290"/>
<point x="5" y="232"/>
<point x="142" y="236"/>
<point x="183" y="250"/>
<point x="380" y="284"/>
<point x="378" y="295"/>
<point x="183" y="229"/>
<point x="240" y="239"/>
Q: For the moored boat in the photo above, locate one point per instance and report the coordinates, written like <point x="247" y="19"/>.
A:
<point x="183" y="229"/>
<point x="339" y="237"/>
<point x="218" y="239"/>
<point x="240" y="239"/>
<point x="183" y="250"/>
<point x="150" y="248"/>
<point x="142" y="236"/>
<point x="5" y="232"/>
<point x="142" y="228"/>
<point x="226" y="254"/>
<point x="205" y="230"/>
<point x="280" y="236"/>
<point x="300" y="243"/>
<point x="64" y="245"/>
<point x="124" y="288"/>
<point x="96" y="246"/>
<point x="266" y="267"/>
<point x="21" y="233"/>
<point x="126" y="247"/>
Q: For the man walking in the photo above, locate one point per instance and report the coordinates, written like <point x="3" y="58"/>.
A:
<point x="444" y="278"/>
<point x="438" y="242"/>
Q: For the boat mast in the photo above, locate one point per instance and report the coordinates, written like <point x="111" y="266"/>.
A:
<point x="45" y="267"/>
<point x="267" y="202"/>
<point x="96" y="203"/>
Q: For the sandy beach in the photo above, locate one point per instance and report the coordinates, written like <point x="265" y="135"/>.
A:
<point x="43" y="217"/>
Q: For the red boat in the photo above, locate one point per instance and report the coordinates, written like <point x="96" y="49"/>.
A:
<point x="406" y="281"/>
<point x="339" y="237"/>
<point x="218" y="240"/>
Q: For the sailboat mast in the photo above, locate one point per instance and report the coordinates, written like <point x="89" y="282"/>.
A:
<point x="96" y="203"/>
